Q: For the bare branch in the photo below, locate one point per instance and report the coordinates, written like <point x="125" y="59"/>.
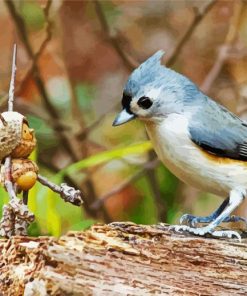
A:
<point x="199" y="15"/>
<point x="223" y="53"/>
<point x="69" y="194"/>
<point x="42" y="47"/>
<point x="38" y="54"/>
<point x="12" y="82"/>
<point x="128" y="60"/>
<point x="51" y="110"/>
<point x="66" y="138"/>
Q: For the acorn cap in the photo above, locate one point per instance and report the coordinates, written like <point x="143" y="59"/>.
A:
<point x="10" y="134"/>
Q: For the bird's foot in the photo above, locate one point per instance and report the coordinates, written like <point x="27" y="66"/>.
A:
<point x="202" y="231"/>
<point x="192" y="221"/>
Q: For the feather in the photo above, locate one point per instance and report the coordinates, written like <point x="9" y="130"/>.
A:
<point x="218" y="131"/>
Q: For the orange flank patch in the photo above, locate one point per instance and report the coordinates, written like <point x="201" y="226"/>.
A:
<point x="221" y="160"/>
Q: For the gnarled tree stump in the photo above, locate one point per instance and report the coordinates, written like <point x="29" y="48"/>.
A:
<point x="123" y="259"/>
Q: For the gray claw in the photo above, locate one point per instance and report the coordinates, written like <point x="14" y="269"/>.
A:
<point x="202" y="231"/>
<point x="188" y="219"/>
<point x="227" y="233"/>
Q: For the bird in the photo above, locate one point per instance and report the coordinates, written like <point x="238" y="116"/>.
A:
<point x="198" y="140"/>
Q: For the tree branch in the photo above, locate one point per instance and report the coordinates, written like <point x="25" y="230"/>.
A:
<point x="123" y="259"/>
<point x="198" y="17"/>
<point x="12" y="82"/>
<point x="223" y="53"/>
<point x="21" y="28"/>
<point x="69" y="194"/>
<point x="129" y="62"/>
<point x="67" y="139"/>
<point x="42" y="47"/>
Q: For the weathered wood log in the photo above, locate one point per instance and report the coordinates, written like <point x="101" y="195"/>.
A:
<point x="123" y="259"/>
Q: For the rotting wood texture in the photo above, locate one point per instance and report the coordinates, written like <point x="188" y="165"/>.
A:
<point x="123" y="259"/>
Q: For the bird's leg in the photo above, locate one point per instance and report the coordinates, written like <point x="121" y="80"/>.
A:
<point x="25" y="197"/>
<point x="193" y="220"/>
<point x="236" y="197"/>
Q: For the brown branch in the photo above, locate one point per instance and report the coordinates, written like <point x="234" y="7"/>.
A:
<point x="223" y="53"/>
<point x="198" y="17"/>
<point x="68" y="140"/>
<point x="123" y="259"/>
<point x="42" y="47"/>
<point x="37" y="55"/>
<point x="127" y="59"/>
<point x="21" y="28"/>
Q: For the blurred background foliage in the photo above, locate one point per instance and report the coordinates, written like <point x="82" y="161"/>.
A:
<point x="73" y="60"/>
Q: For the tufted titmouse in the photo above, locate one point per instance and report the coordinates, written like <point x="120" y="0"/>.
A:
<point x="198" y="140"/>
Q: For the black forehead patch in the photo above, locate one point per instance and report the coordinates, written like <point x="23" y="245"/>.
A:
<point x="126" y="100"/>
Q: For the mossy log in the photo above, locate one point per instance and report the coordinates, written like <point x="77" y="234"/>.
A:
<point x="123" y="259"/>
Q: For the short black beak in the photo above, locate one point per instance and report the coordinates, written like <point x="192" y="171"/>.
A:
<point x="123" y="117"/>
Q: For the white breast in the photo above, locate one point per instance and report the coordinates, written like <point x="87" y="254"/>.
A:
<point x="186" y="160"/>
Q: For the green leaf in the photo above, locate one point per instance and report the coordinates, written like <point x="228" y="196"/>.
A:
<point x="107" y="156"/>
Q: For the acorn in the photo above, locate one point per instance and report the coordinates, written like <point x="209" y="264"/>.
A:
<point x="16" y="138"/>
<point x="24" y="173"/>
<point x="27" y="180"/>
<point x="27" y="143"/>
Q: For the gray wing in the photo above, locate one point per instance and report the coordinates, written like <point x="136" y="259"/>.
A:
<point x="219" y="131"/>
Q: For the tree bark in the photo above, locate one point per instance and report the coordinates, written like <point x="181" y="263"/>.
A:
<point x="123" y="259"/>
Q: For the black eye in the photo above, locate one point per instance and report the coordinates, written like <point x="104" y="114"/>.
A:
<point x="145" y="102"/>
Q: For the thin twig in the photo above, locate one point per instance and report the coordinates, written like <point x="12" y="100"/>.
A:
<point x="199" y="15"/>
<point x="69" y="194"/>
<point x="37" y="55"/>
<point x="128" y="60"/>
<point x="21" y="27"/>
<point x="12" y="82"/>
<point x="42" y="47"/>
<point x="68" y="140"/>
<point x="223" y="53"/>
